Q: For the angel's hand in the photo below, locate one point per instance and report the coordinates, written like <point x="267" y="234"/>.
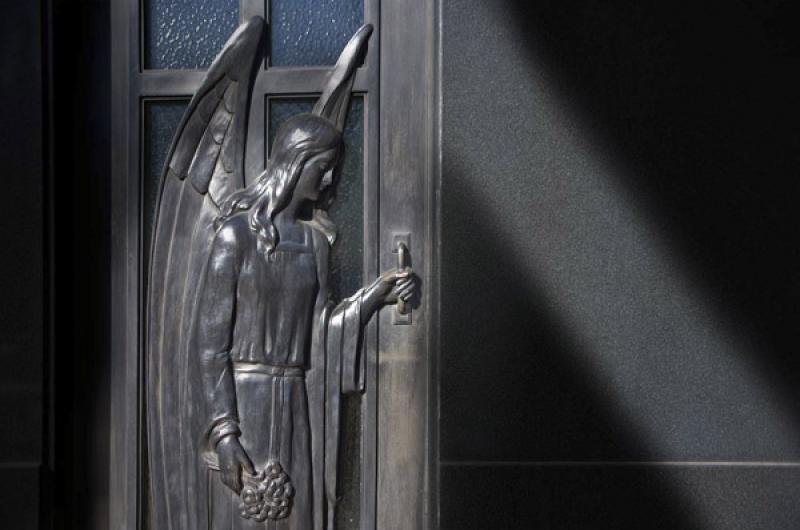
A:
<point x="232" y="460"/>
<point x="402" y="288"/>
<point x="391" y="286"/>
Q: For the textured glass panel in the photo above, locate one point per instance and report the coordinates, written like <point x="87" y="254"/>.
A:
<point x="347" y="212"/>
<point x="161" y="119"/>
<point x="186" y="33"/>
<point x="312" y="32"/>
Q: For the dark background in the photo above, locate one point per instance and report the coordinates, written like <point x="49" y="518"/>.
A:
<point x="692" y="112"/>
<point x="55" y="155"/>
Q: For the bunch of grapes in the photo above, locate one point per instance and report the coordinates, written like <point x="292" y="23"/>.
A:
<point x="268" y="494"/>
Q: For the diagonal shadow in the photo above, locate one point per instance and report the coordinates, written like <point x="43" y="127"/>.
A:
<point x="679" y="98"/>
<point x="699" y="103"/>
<point x="516" y="387"/>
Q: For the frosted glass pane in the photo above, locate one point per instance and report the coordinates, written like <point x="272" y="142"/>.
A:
<point x="347" y="212"/>
<point x="312" y="32"/>
<point x="161" y="119"/>
<point x="186" y="33"/>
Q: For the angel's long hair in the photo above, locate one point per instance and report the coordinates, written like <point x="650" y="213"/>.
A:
<point x="298" y="139"/>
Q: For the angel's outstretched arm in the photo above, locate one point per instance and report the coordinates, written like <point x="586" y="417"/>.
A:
<point x="214" y="325"/>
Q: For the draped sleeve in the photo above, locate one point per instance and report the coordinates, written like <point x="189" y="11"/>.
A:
<point x="215" y="314"/>
<point x="337" y="367"/>
<point x="344" y="343"/>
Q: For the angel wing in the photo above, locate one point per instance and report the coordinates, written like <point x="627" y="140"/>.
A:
<point x="205" y="164"/>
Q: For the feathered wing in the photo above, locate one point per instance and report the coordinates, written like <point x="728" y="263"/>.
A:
<point x="334" y="101"/>
<point x="205" y="164"/>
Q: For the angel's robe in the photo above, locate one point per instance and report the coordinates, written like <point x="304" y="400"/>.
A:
<point x="274" y="355"/>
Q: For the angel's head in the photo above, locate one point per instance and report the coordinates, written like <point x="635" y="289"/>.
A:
<point x="304" y="154"/>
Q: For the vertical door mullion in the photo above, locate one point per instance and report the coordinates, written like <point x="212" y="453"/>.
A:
<point x="369" y="405"/>
<point x="406" y="199"/>
<point x="124" y="423"/>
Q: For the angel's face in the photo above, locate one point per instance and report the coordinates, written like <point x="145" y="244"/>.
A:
<point x="317" y="174"/>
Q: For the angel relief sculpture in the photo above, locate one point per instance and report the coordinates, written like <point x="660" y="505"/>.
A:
<point x="247" y="356"/>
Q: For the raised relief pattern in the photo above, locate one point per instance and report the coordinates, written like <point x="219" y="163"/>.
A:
<point x="248" y="352"/>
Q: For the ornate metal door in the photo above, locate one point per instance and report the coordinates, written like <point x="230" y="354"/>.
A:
<point x="162" y="54"/>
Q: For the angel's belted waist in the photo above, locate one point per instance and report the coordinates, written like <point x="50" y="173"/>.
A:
<point x="269" y="369"/>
